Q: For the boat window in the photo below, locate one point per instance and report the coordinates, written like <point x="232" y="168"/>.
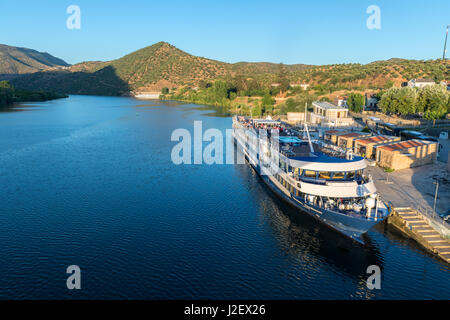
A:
<point x="296" y="172"/>
<point x="351" y="175"/>
<point x="339" y="175"/>
<point x="325" y="175"/>
<point x="310" y="174"/>
<point x="359" y="173"/>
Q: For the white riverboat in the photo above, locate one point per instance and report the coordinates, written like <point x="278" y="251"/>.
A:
<point x="323" y="182"/>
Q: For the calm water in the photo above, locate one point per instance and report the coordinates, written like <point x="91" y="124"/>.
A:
<point x="89" y="181"/>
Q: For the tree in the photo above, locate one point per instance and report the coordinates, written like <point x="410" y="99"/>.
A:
<point x="6" y="85"/>
<point x="399" y="101"/>
<point x="204" y="84"/>
<point x="406" y="101"/>
<point x="282" y="78"/>
<point x="256" y="110"/>
<point x="165" y="90"/>
<point x="240" y="82"/>
<point x="433" y="101"/>
<point x="389" y="84"/>
<point x="387" y="101"/>
<point x="355" y="102"/>
<point x="6" y="93"/>
<point x="267" y="100"/>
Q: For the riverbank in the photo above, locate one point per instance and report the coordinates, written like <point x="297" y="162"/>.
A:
<point x="9" y="95"/>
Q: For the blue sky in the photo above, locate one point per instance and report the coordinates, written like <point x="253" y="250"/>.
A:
<point x="288" y="31"/>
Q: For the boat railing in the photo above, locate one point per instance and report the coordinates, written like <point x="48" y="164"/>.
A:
<point x="360" y="181"/>
<point x="349" y="212"/>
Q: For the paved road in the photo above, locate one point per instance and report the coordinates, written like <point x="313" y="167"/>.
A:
<point x="414" y="187"/>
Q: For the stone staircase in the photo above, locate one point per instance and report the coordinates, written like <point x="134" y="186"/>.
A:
<point x="429" y="237"/>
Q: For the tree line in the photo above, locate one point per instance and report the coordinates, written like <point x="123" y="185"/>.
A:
<point x="431" y="102"/>
<point x="9" y="95"/>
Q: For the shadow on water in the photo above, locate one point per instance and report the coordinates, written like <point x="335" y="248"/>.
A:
<point x="210" y="111"/>
<point x="304" y="237"/>
<point x="13" y="108"/>
<point x="220" y="112"/>
<point x="105" y="82"/>
<point x="189" y="108"/>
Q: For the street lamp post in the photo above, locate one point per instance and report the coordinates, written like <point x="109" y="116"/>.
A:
<point x="436" y="194"/>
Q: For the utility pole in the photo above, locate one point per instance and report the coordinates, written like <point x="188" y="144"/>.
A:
<point x="445" y="45"/>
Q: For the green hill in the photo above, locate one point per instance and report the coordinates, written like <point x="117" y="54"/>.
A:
<point x="163" y="62"/>
<point x="15" y="60"/>
<point x="375" y="75"/>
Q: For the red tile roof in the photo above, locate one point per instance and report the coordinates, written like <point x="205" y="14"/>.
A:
<point x="404" y="145"/>
<point x="374" y="139"/>
<point x="352" y="135"/>
<point x="332" y="131"/>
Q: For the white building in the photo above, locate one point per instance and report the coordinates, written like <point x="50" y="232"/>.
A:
<point x="446" y="83"/>
<point x="304" y="86"/>
<point x="329" y="114"/>
<point x="420" y="83"/>
<point x="341" y="101"/>
<point x="295" y="117"/>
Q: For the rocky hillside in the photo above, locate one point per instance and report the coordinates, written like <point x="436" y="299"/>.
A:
<point x="15" y="60"/>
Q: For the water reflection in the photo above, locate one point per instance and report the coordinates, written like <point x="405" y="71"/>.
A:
<point x="305" y="239"/>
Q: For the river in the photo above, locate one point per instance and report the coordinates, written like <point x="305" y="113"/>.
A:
<point x="89" y="181"/>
